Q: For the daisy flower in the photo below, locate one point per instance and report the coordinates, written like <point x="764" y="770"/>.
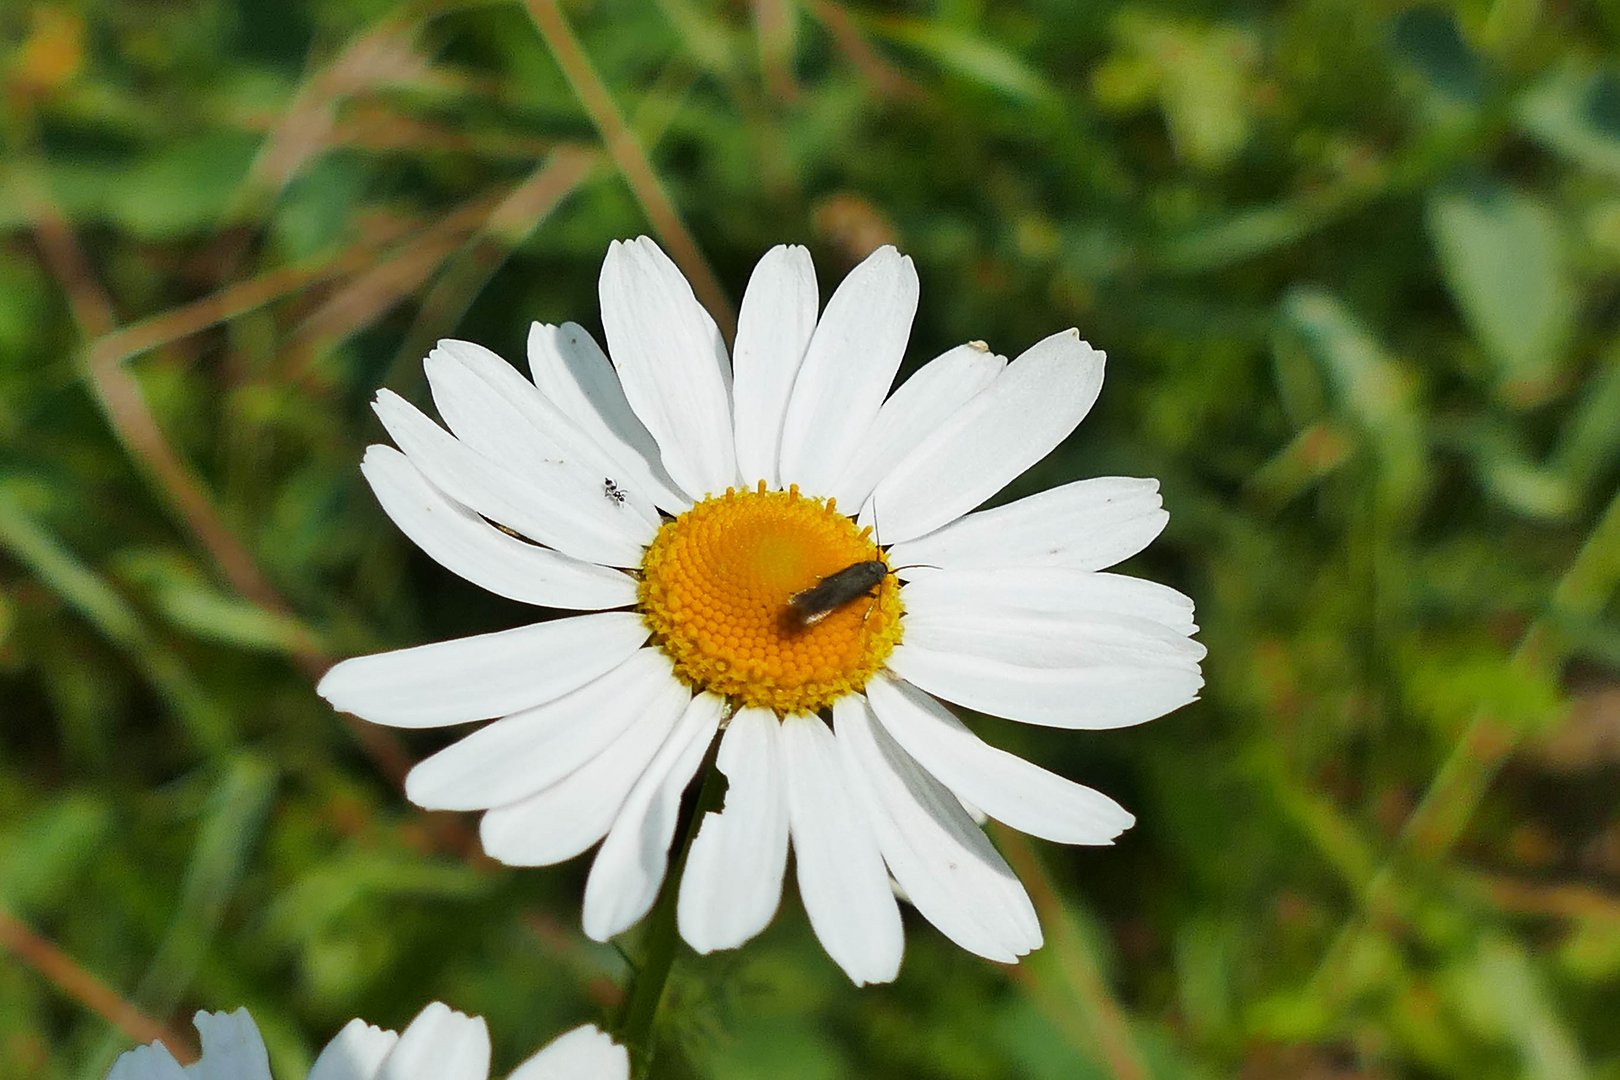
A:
<point x="700" y="508"/>
<point x="440" y="1044"/>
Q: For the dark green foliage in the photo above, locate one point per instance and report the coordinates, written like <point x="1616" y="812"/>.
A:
<point x="1355" y="269"/>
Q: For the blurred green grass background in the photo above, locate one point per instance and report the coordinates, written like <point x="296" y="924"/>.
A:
<point x="1354" y="264"/>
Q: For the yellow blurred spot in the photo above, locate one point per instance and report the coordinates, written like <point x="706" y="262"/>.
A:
<point x="52" y="53"/>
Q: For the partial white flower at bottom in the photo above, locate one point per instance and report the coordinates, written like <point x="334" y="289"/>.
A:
<point x="440" y="1044"/>
<point x="773" y="546"/>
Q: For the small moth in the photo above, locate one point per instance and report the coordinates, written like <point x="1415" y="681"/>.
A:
<point x="809" y="606"/>
<point x="832" y="592"/>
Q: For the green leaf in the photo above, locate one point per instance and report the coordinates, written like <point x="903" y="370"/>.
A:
<point x="968" y="54"/>
<point x="1368" y="386"/>
<point x="1577" y="113"/>
<point x="1506" y="997"/>
<point x="218" y="616"/>
<point x="327" y="892"/>
<point x="1448" y="683"/>
<point x="1429" y="39"/>
<point x="1503" y="256"/>
<point x="182" y="188"/>
<point x="235" y="816"/>
<point x="786" y="1049"/>
<point x="1203" y="76"/>
<point x="1590" y="442"/>
<point x="1591" y="952"/>
<point x="43" y="853"/>
<point x="190" y="601"/>
<point x="1253" y="231"/>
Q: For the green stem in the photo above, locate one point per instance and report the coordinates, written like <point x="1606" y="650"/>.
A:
<point x="1459" y="786"/>
<point x="634" y="1026"/>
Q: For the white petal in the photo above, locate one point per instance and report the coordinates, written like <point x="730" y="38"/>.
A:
<point x="848" y="369"/>
<point x="551" y="504"/>
<point x="732" y="883"/>
<point x="630" y="866"/>
<point x="465" y="543"/>
<point x="475" y="678"/>
<point x="585" y="1053"/>
<point x="1107" y="696"/>
<point x="577" y="811"/>
<point x="1003" y="430"/>
<point x="773" y="329"/>
<point x="528" y="751"/>
<point x="1050" y="617"/>
<point x="1050" y="639"/>
<point x="493" y="408"/>
<point x="573" y="372"/>
<point x="356" y="1053"/>
<point x="152" y="1062"/>
<point x="943" y="861"/>
<point x="842" y="881"/>
<point x="1086" y="525"/>
<point x="440" y="1044"/>
<point x="231" y="1048"/>
<point x="1006" y="787"/>
<point x="913" y="412"/>
<point x="1048" y="588"/>
<point x="487" y="395"/>
<point x="672" y="363"/>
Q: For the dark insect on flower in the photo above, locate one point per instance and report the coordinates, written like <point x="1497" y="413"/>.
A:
<point x="612" y="490"/>
<point x="810" y="606"/>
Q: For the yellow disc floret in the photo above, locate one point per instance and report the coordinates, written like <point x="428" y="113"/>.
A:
<point x="715" y="586"/>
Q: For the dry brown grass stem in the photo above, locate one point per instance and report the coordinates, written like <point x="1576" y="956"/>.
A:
<point x="62" y="972"/>
<point x="375" y="264"/>
<point x="384" y="54"/>
<point x="121" y="401"/>
<point x="631" y="160"/>
<point x="119" y="396"/>
<point x="512" y="222"/>
<point x="1556" y="899"/>
<point x="1100" y="1015"/>
<point x="884" y="76"/>
<point x="773" y="26"/>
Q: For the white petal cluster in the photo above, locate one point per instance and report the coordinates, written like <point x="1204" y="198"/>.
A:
<point x="440" y="1044"/>
<point x="1008" y="611"/>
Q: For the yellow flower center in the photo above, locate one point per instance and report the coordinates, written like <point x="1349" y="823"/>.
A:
<point x="715" y="590"/>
